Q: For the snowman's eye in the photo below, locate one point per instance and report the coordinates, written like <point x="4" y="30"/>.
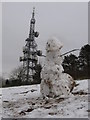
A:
<point x="69" y="77"/>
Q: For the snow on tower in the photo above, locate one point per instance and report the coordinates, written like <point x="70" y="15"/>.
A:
<point x="30" y="52"/>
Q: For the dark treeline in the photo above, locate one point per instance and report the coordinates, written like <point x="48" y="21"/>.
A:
<point x="78" y="67"/>
<point x="17" y="77"/>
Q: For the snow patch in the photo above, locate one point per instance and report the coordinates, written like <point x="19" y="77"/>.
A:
<point x="21" y="102"/>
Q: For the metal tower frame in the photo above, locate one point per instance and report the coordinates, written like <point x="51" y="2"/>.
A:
<point x="30" y="52"/>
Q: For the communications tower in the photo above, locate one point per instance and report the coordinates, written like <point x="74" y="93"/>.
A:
<point x="30" y="52"/>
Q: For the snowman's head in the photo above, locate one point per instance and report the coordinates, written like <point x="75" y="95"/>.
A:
<point x="53" y="44"/>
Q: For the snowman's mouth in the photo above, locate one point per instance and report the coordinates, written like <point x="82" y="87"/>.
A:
<point x="52" y="50"/>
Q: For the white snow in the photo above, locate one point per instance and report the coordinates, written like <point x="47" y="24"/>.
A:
<point x="0" y="102"/>
<point x="26" y="102"/>
<point x="52" y="98"/>
<point x="54" y="81"/>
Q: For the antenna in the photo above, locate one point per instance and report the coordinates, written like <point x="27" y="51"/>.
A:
<point x="30" y="52"/>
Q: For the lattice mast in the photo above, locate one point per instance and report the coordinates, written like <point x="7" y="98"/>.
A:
<point x="30" y="52"/>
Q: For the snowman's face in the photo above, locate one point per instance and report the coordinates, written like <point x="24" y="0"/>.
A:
<point x="53" y="45"/>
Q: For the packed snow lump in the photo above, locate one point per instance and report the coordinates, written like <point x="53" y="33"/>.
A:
<point x="54" y="81"/>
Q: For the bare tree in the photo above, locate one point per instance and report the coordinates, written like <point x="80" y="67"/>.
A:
<point x="17" y="74"/>
<point x="2" y="81"/>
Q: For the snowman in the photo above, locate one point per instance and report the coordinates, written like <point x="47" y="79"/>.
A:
<point x="54" y="82"/>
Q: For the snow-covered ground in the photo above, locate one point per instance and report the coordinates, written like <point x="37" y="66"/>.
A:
<point x="26" y="102"/>
<point x="0" y="103"/>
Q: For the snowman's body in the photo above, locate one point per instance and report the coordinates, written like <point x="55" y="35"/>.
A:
<point x="54" y="81"/>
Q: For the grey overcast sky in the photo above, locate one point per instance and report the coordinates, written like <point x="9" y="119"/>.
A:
<point x="68" y="21"/>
